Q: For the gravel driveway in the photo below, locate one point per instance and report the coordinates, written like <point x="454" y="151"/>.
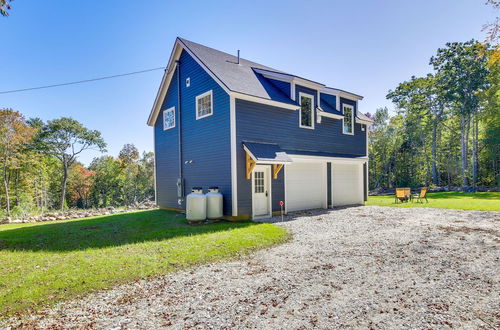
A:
<point x="362" y="267"/>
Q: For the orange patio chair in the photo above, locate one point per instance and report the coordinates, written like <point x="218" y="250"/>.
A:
<point x="401" y="194"/>
<point x="423" y="195"/>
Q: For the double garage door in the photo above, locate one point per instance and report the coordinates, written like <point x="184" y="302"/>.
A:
<point x="306" y="185"/>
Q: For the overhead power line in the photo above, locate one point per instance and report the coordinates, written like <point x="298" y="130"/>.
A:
<point x="80" y="81"/>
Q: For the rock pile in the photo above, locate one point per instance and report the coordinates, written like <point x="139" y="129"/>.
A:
<point x="79" y="213"/>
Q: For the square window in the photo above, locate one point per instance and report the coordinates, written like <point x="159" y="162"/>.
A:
<point x="169" y="118"/>
<point x="204" y="105"/>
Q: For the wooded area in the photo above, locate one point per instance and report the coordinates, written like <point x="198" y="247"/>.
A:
<point x="446" y="126"/>
<point x="40" y="170"/>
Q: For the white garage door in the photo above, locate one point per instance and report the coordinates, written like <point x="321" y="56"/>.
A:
<point x="347" y="184"/>
<point x="305" y="185"/>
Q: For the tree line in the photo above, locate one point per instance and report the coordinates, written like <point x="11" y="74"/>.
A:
<point x="40" y="168"/>
<point x="446" y="127"/>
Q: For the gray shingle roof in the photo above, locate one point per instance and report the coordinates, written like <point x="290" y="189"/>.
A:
<point x="267" y="152"/>
<point x="237" y="77"/>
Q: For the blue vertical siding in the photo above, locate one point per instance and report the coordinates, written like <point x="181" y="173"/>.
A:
<point x="205" y="142"/>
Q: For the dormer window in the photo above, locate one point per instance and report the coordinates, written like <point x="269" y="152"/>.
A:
<point x="204" y="105"/>
<point x="306" y="118"/>
<point x="348" y="121"/>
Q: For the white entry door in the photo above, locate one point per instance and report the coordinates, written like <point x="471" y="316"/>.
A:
<point x="261" y="191"/>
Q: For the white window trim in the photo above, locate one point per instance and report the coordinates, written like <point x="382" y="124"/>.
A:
<point x="352" y="119"/>
<point x="211" y="103"/>
<point x="312" y="110"/>
<point x="172" y="109"/>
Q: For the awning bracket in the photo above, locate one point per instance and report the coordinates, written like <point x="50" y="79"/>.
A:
<point x="250" y="165"/>
<point x="276" y="169"/>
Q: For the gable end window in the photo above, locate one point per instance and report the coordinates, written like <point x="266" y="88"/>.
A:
<point x="306" y="119"/>
<point x="169" y="118"/>
<point x="204" y="105"/>
<point x="348" y="121"/>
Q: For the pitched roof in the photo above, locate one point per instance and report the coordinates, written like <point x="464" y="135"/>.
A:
<point x="245" y="77"/>
<point x="236" y="77"/>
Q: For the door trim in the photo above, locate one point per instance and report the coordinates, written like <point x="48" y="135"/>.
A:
<point x="268" y="183"/>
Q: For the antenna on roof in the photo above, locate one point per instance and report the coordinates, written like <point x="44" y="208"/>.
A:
<point x="238" y="62"/>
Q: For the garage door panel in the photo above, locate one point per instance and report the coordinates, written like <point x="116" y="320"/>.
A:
<point x="305" y="186"/>
<point x="347" y="184"/>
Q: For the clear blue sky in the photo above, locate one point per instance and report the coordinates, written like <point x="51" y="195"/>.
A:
<point x="366" y="47"/>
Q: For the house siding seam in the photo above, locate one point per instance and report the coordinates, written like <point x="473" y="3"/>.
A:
<point x="205" y="142"/>
<point x="265" y="123"/>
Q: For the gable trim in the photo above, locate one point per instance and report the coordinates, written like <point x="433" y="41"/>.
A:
<point x="167" y="78"/>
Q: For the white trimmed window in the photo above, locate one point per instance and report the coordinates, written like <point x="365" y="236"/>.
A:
<point x="204" y="105"/>
<point x="306" y="116"/>
<point x="169" y="118"/>
<point x="348" y="121"/>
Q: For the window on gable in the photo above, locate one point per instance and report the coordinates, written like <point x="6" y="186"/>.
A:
<point x="306" y="110"/>
<point x="204" y="105"/>
<point x="348" y="121"/>
<point x="169" y="118"/>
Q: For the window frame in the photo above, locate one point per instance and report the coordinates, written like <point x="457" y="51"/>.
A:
<point x="310" y="96"/>
<point x="345" y="105"/>
<point x="211" y="104"/>
<point x="171" y="109"/>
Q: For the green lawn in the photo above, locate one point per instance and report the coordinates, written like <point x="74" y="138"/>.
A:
<point x="484" y="201"/>
<point x="41" y="264"/>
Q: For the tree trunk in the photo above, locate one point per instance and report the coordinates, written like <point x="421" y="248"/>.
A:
<point x="475" y="150"/>
<point x="464" y="135"/>
<point x="6" y="187"/>
<point x="434" y="154"/>
<point x="65" y="181"/>
<point x="18" y="197"/>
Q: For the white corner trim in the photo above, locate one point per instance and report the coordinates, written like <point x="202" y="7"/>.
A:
<point x="352" y="119"/>
<point x="292" y="90"/>
<point x="171" y="109"/>
<point x="234" y="168"/>
<point x="364" y="122"/>
<point x="322" y="113"/>
<point x="301" y="94"/>
<point x="260" y="100"/>
<point x="274" y="75"/>
<point x="208" y="93"/>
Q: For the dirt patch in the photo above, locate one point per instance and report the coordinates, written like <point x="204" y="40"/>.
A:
<point x="468" y="230"/>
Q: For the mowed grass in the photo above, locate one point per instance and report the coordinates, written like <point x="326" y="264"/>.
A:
<point x="44" y="263"/>
<point x="482" y="201"/>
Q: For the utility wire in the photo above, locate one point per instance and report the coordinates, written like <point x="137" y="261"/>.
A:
<point x="80" y="81"/>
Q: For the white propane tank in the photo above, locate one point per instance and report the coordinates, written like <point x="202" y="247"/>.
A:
<point x="214" y="203"/>
<point x="196" y="205"/>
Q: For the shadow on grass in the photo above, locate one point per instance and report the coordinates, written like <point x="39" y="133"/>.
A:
<point x="106" y="231"/>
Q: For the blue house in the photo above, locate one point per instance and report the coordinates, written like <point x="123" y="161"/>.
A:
<point x="261" y="135"/>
